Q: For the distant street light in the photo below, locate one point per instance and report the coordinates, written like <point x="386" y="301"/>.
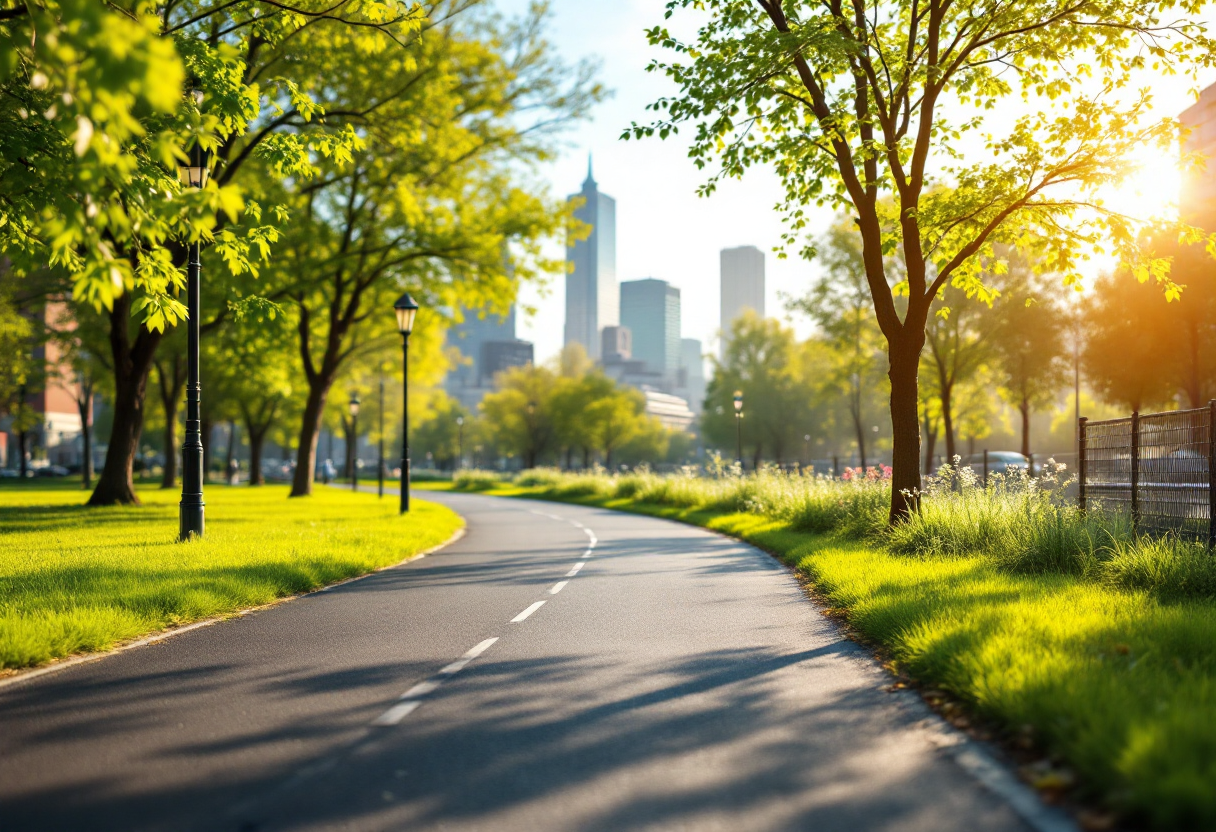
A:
<point x="459" y="442"/>
<point x="352" y="452"/>
<point x="739" y="428"/>
<point x="406" y="308"/>
<point x="193" y="174"/>
<point x="807" y="440"/>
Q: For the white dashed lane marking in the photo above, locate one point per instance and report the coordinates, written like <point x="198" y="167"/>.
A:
<point x="523" y="615"/>
<point x="574" y="571"/>
<point x="558" y="587"/>
<point x="411" y="699"/>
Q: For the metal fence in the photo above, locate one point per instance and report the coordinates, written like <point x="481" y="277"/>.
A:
<point x="1157" y="467"/>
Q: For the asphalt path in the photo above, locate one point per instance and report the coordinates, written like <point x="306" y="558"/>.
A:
<point x="559" y="667"/>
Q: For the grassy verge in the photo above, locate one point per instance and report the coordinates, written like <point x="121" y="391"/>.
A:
<point x="76" y="579"/>
<point x="1113" y="686"/>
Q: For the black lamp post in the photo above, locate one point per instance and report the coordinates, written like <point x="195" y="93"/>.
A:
<point x="459" y="442"/>
<point x="406" y="308"/>
<point x="193" y="174"/>
<point x="353" y="451"/>
<point x="739" y="428"/>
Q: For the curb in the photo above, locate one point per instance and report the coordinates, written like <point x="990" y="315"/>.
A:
<point x="22" y="676"/>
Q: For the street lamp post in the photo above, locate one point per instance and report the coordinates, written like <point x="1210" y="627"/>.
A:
<point x="739" y="428"/>
<point x="193" y="174"/>
<point x="807" y="452"/>
<point x="352" y="452"/>
<point x="380" y="463"/>
<point x="406" y="308"/>
<point x="459" y="442"/>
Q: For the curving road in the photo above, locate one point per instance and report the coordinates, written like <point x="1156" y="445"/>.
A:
<point x="557" y="668"/>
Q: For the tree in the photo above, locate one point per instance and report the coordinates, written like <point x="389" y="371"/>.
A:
<point x="957" y="337"/>
<point x="1127" y="344"/>
<point x="848" y="103"/>
<point x="440" y="434"/>
<point x="761" y="361"/>
<point x="615" y="418"/>
<point x="1028" y="342"/>
<point x="435" y="201"/>
<point x="839" y="303"/>
<point x="519" y="414"/>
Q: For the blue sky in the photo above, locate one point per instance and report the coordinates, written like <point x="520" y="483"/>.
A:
<point x="664" y="229"/>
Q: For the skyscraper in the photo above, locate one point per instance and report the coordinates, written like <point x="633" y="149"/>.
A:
<point x="468" y="337"/>
<point x="692" y="373"/>
<point x="651" y="310"/>
<point x="742" y="286"/>
<point x="592" y="295"/>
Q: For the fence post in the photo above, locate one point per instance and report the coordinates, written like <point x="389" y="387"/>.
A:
<point x="1082" y="462"/>
<point x="985" y="467"/>
<point x="1135" y="472"/>
<point x="836" y="467"/>
<point x="1212" y="473"/>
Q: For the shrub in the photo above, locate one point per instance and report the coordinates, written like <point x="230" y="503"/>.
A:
<point x="474" y="480"/>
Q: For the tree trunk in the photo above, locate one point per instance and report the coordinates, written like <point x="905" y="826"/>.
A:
<point x="132" y="363"/>
<point x="230" y="455"/>
<point x="206" y="426"/>
<point x="169" y="478"/>
<point x="310" y="432"/>
<point x="904" y="357"/>
<point x="255" y="456"/>
<point x="1024" y="407"/>
<point x="861" y="432"/>
<point x="756" y="457"/>
<point x="930" y="444"/>
<point x="170" y="399"/>
<point x="948" y="421"/>
<point x="85" y="405"/>
<point x="586" y="457"/>
<point x="23" y="466"/>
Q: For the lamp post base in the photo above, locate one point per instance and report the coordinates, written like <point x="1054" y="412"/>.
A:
<point x="190" y="519"/>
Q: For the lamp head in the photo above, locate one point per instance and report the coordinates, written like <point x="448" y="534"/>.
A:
<point x="354" y="405"/>
<point x="459" y="420"/>
<point x="193" y="173"/>
<point x="406" y="308"/>
<point x="738" y="401"/>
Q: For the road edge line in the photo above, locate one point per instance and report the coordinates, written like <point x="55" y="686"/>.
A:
<point x="22" y="676"/>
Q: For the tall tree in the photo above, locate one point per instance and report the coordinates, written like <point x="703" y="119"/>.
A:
<point x="839" y="303"/>
<point x="519" y="414"/>
<point x="1127" y="344"/>
<point x="1029" y="332"/>
<point x="958" y="342"/>
<point x="848" y="102"/>
<point x="435" y="197"/>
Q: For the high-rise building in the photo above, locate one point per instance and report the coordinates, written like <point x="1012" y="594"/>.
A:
<point x="617" y="344"/>
<point x="1197" y="202"/>
<point x="468" y="337"/>
<point x="497" y="356"/>
<point x="651" y="310"/>
<point x="742" y="286"/>
<point x="691" y="383"/>
<point x="592" y="294"/>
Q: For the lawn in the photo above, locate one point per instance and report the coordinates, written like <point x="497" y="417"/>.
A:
<point x="76" y="580"/>
<point x="1113" y="686"/>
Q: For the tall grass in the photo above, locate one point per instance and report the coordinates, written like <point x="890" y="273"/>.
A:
<point x="1022" y="524"/>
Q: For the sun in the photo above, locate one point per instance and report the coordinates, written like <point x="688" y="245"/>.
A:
<point x="1150" y="192"/>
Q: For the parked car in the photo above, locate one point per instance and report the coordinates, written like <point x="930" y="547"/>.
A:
<point x="999" y="462"/>
<point x="51" y="471"/>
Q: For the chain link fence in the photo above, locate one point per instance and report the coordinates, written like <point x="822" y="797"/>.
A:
<point x="1157" y="467"/>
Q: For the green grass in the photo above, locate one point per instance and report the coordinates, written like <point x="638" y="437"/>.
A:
<point x="1109" y="667"/>
<point x="76" y="579"/>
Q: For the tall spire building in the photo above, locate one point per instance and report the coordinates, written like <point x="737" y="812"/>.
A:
<point x="593" y="298"/>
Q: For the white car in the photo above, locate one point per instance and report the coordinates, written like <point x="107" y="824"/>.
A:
<point x="999" y="462"/>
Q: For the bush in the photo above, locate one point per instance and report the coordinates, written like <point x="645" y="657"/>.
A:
<point x="472" y="479"/>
